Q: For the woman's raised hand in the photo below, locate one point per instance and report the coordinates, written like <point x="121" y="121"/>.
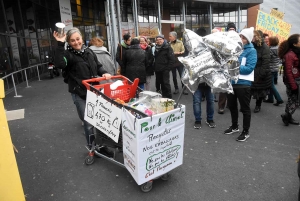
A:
<point x="58" y="37"/>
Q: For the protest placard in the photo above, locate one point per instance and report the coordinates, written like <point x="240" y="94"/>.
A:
<point x="272" y="26"/>
<point x="153" y="146"/>
<point x="103" y="115"/>
<point x="277" y="14"/>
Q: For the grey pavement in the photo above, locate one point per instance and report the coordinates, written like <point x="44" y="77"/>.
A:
<point x="215" y="167"/>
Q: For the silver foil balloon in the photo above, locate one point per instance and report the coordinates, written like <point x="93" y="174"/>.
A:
<point x="213" y="59"/>
<point x="218" y="81"/>
<point x="220" y="42"/>
<point x="200" y="65"/>
<point x="193" y="42"/>
<point x="192" y="85"/>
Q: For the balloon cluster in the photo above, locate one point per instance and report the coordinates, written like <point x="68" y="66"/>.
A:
<point x="212" y="59"/>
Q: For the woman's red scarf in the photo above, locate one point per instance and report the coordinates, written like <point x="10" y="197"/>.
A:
<point x="144" y="46"/>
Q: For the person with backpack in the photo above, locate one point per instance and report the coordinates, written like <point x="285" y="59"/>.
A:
<point x="289" y="52"/>
<point x="79" y="63"/>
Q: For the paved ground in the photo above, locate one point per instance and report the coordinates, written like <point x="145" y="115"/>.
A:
<point x="216" y="167"/>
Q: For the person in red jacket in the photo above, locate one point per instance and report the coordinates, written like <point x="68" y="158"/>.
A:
<point x="289" y="52"/>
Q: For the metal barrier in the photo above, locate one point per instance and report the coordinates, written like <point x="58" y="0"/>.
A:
<point x="12" y="75"/>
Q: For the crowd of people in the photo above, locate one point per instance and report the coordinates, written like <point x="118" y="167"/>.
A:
<point x="154" y="62"/>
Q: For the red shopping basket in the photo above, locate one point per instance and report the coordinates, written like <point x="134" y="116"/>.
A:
<point x="124" y="92"/>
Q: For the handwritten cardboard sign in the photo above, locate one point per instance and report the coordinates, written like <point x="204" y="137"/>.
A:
<point x="103" y="115"/>
<point x="273" y="26"/>
<point x="153" y="146"/>
<point x="277" y="14"/>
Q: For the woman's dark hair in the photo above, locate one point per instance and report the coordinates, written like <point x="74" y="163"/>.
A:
<point x="287" y="44"/>
<point x="126" y="37"/>
<point x="273" y="41"/>
<point x="135" y="41"/>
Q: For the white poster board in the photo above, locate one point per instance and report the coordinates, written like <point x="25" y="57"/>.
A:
<point x="153" y="146"/>
<point x="65" y="14"/>
<point x="103" y="115"/>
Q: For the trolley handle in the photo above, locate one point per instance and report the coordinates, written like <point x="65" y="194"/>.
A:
<point x="100" y="79"/>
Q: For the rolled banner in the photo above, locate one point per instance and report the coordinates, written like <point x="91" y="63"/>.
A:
<point x="60" y="28"/>
<point x="193" y="42"/>
<point x="223" y="44"/>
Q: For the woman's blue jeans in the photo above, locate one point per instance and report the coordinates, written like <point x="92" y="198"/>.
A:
<point x="209" y="102"/>
<point x="88" y="128"/>
<point x="273" y="91"/>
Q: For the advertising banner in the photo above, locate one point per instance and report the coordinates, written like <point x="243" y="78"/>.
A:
<point x="65" y="14"/>
<point x="153" y="146"/>
<point x="273" y="26"/>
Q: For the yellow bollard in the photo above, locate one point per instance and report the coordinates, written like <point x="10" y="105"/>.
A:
<point x="10" y="183"/>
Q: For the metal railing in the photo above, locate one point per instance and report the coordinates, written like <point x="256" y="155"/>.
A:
<point x="20" y="76"/>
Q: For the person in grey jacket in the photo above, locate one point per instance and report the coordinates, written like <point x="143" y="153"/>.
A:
<point x="103" y="56"/>
<point x="275" y="63"/>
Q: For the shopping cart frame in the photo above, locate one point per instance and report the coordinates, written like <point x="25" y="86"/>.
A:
<point x="99" y="142"/>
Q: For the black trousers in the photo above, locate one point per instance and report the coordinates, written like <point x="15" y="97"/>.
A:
<point x="243" y="94"/>
<point x="163" y="78"/>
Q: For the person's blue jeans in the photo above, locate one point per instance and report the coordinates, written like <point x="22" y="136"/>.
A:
<point x="273" y="91"/>
<point x="203" y="89"/>
<point x="88" y="128"/>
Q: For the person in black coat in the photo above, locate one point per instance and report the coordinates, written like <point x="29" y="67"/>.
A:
<point x="121" y="49"/>
<point x="135" y="63"/>
<point x="149" y="68"/>
<point x="262" y="72"/>
<point x="81" y="64"/>
<point x="164" y="60"/>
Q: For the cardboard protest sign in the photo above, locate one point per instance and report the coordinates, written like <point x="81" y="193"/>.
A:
<point x="103" y="115"/>
<point x="153" y="146"/>
<point x="273" y="26"/>
<point x="277" y="14"/>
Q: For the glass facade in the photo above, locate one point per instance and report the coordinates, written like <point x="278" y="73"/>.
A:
<point x="26" y="28"/>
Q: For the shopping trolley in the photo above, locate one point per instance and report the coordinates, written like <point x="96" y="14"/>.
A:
<point x="125" y="92"/>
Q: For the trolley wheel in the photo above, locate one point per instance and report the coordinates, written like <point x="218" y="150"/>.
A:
<point x="89" y="160"/>
<point x="146" y="187"/>
<point x="165" y="177"/>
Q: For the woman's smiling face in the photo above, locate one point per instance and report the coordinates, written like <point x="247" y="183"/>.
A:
<point x="76" y="41"/>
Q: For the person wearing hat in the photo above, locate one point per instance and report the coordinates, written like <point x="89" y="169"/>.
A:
<point x="164" y="60"/>
<point x="242" y="88"/>
<point x="231" y="27"/>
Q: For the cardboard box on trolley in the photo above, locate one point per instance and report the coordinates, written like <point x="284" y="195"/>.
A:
<point x="153" y="146"/>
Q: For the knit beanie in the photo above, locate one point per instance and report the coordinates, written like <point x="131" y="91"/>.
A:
<point x="231" y="25"/>
<point x="160" y="36"/>
<point x="248" y="33"/>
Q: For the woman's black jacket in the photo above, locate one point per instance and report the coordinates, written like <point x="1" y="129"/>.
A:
<point x="79" y="67"/>
<point x="135" y="62"/>
<point x="262" y="70"/>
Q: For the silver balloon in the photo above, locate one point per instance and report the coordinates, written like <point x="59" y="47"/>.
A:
<point x="221" y="42"/>
<point x="218" y="81"/>
<point x="193" y="42"/>
<point x="212" y="59"/>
